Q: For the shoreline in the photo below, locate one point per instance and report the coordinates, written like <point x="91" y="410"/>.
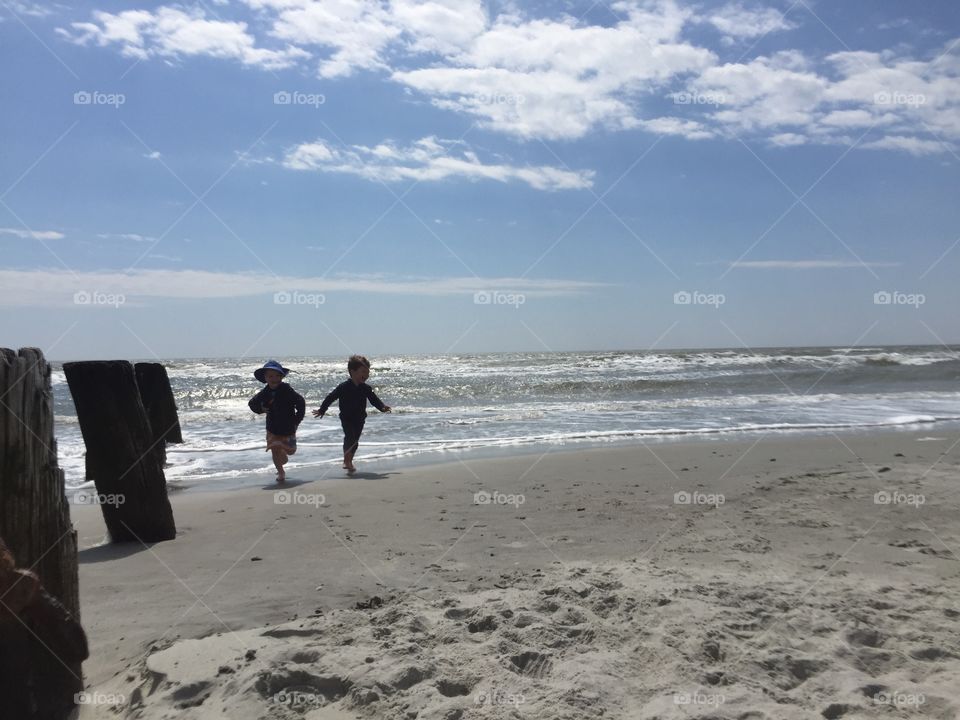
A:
<point x="245" y="479"/>
<point x="799" y="523"/>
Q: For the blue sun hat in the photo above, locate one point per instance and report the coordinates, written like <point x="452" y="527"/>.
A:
<point x="269" y="365"/>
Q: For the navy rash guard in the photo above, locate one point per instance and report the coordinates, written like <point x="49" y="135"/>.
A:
<point x="353" y="400"/>
<point x="285" y="408"/>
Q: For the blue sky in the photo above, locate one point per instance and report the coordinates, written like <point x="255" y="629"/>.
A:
<point x="304" y="177"/>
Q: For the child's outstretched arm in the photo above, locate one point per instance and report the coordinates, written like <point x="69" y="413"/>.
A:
<point x="376" y="402"/>
<point x="327" y="401"/>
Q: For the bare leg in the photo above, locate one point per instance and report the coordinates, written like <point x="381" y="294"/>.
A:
<point x="279" y="460"/>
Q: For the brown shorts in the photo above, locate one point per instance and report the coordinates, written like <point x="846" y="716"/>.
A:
<point x="287" y="442"/>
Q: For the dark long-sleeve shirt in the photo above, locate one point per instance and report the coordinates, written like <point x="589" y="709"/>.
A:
<point x="285" y="408"/>
<point x="353" y="400"/>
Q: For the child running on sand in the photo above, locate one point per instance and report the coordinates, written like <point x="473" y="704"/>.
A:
<point x="284" y="407"/>
<point x="353" y="395"/>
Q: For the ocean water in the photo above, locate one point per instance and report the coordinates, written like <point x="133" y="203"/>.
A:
<point x="466" y="405"/>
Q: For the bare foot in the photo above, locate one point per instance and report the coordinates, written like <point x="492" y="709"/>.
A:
<point x="351" y="469"/>
<point x="281" y="477"/>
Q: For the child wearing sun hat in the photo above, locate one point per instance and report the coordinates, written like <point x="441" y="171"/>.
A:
<point x="285" y="408"/>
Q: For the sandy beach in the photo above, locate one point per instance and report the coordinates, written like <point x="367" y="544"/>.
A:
<point x="780" y="586"/>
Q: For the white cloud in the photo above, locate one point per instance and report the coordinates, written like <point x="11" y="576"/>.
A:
<point x="807" y="264"/>
<point x="854" y="119"/>
<point x="57" y="288"/>
<point x="30" y="9"/>
<point x="171" y="33"/>
<point x="767" y="92"/>
<point x="788" y="140"/>
<point x="33" y="234"/>
<point x="909" y="103"/>
<point x="912" y="145"/>
<point x="358" y="31"/>
<point x="440" y="26"/>
<point x="690" y="129"/>
<point x="135" y="237"/>
<point x="558" y="78"/>
<point x="736" y="21"/>
<point x="428" y="159"/>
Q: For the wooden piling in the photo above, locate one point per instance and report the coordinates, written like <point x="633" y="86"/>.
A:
<point x="124" y="460"/>
<point x="42" y="644"/>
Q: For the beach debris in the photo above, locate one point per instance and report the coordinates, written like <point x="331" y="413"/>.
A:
<point x="371" y="604"/>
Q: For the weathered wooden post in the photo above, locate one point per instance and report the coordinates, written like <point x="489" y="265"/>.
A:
<point x="42" y="647"/>
<point x="122" y="456"/>
<point x="34" y="512"/>
<point x="157" y="397"/>
<point x="42" y="644"/>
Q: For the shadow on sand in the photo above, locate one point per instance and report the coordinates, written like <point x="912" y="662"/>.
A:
<point x="110" y="551"/>
<point x="360" y="475"/>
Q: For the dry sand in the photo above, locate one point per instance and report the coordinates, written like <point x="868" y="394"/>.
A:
<point x="801" y="595"/>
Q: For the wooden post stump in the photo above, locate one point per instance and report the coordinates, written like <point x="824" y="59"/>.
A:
<point x="42" y="644"/>
<point x="34" y="512"/>
<point x="157" y="397"/>
<point x="122" y="456"/>
<point x="42" y="648"/>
